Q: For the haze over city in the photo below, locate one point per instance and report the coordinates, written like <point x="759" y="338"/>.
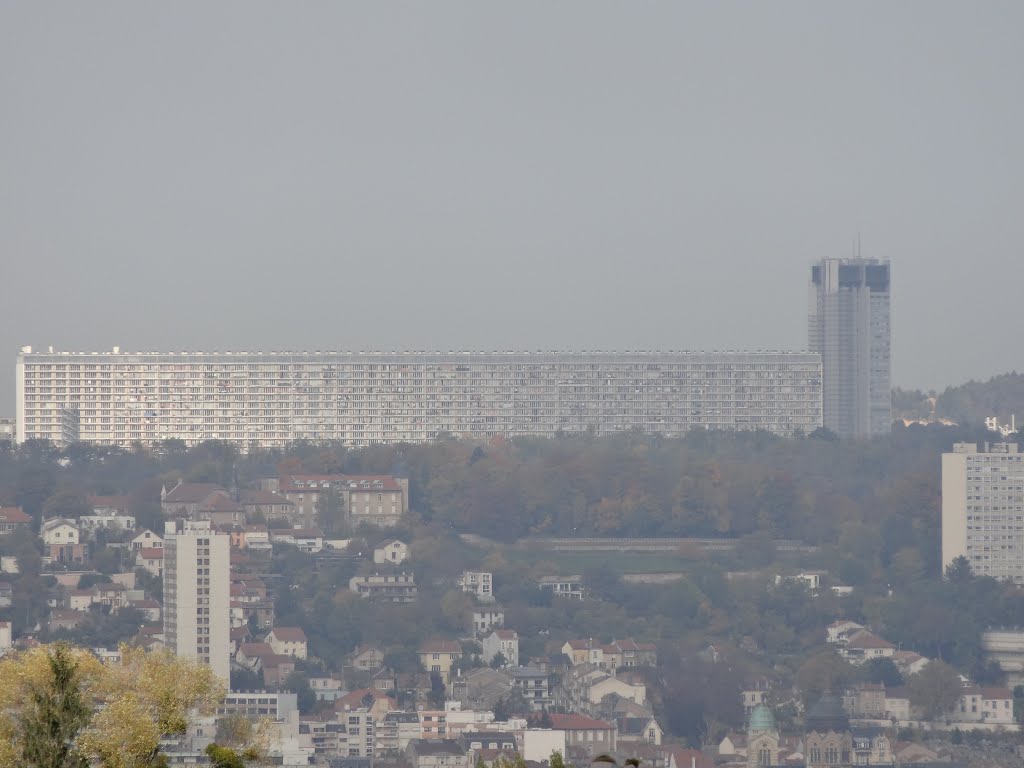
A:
<point x="250" y="176"/>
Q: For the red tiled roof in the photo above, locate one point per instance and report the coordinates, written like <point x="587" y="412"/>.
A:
<point x="441" y="646"/>
<point x="276" y="660"/>
<point x="506" y="634"/>
<point x="13" y="515"/>
<point x="578" y="723"/>
<point x="685" y="758"/>
<point x="865" y="639"/>
<point x="996" y="693"/>
<point x="151" y="553"/>
<point x="220" y="503"/>
<point x="289" y="634"/>
<point x="255" y="649"/>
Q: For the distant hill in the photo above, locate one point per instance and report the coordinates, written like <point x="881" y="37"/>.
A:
<point x="968" y="404"/>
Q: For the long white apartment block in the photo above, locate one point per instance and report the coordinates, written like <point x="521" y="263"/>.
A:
<point x="983" y="509"/>
<point x="362" y="398"/>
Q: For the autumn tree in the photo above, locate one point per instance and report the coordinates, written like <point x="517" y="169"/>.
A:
<point x="60" y="707"/>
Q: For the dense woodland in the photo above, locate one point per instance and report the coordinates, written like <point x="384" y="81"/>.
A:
<point x="871" y="507"/>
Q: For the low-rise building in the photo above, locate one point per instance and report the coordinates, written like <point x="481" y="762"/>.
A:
<point x="534" y="685"/>
<point x="308" y="540"/>
<point x="59" y="530"/>
<point x="864" y="646"/>
<point x="394" y="732"/>
<point x="437" y="753"/>
<point x="366" y="658"/>
<point x="440" y="656"/>
<point x="638" y="730"/>
<point x="146" y="538"/>
<point x="151" y="560"/>
<point x="590" y="736"/>
<point x="185" y="499"/>
<point x="288" y="641"/>
<point x="484" y="619"/>
<point x="563" y="586"/>
<point x="997" y="705"/>
<point x="388" y="587"/>
<point x="504" y="642"/>
<point x="480" y="584"/>
<point x="13" y="519"/>
<point x="393" y="553"/>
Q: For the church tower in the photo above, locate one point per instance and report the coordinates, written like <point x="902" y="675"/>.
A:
<point x="762" y="738"/>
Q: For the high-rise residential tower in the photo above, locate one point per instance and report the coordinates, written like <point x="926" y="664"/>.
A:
<point x="197" y="589"/>
<point x="983" y="509"/>
<point x="848" y="325"/>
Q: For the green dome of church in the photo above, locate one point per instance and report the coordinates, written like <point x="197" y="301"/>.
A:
<point x="762" y="719"/>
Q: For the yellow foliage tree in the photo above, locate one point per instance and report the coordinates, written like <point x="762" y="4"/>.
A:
<point x="133" y="703"/>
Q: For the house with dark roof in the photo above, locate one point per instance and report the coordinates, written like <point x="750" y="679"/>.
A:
<point x="638" y="730"/>
<point x="437" y="753"/>
<point x="185" y="499"/>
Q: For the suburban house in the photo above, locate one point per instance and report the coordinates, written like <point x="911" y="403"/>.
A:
<point x="59" y="530"/>
<point x="440" y="656"/>
<point x="151" y="560"/>
<point x="366" y="658"/>
<point x="13" y="519"/>
<point x="997" y="705"/>
<point x="840" y="631"/>
<point x="287" y="641"/>
<point x="862" y="646"/>
<point x="393" y="552"/>
<point x="437" y="753"/>
<point x="642" y="730"/>
<point x="308" y="540"/>
<point x="108" y="512"/>
<point x="185" y="499"/>
<point x="146" y="538"/>
<point x="505" y="642"/>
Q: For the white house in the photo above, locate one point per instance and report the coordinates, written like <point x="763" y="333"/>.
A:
<point x="114" y="521"/>
<point x="486" y="618"/>
<point x="393" y="552"/>
<point x="146" y="538"/>
<point x="997" y="705"/>
<point x="505" y="642"/>
<point x="839" y="631"/>
<point x="480" y="584"/>
<point x="287" y="641"/>
<point x="58" y="530"/>
<point x="151" y="559"/>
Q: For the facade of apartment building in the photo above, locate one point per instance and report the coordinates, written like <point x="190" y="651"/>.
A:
<point x="273" y="398"/>
<point x="388" y="587"/>
<point x="848" y="324"/>
<point x="197" y="609"/>
<point x="983" y="509"/>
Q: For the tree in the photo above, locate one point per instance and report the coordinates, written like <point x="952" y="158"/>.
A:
<point x="330" y="511"/>
<point x="934" y="690"/>
<point x="883" y="671"/>
<point x="822" y="673"/>
<point x="959" y="570"/>
<point x="129" y="706"/>
<point x="298" y="683"/>
<point x="53" y="714"/>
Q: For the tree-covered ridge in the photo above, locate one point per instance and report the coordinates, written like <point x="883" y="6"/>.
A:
<point x="969" y="404"/>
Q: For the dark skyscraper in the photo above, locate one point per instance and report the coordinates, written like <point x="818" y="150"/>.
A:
<point x="848" y="325"/>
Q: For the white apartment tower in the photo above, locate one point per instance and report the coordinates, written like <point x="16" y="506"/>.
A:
<point x="272" y="398"/>
<point x="983" y="509"/>
<point x="197" y="607"/>
<point x="848" y="324"/>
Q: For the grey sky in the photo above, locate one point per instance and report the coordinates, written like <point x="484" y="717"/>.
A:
<point x="529" y="175"/>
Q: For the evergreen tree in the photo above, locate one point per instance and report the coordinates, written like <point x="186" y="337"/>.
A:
<point x="53" y="715"/>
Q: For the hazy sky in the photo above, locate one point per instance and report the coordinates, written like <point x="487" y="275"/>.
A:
<point x="217" y="175"/>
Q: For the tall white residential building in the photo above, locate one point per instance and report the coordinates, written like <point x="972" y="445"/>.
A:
<point x="197" y="603"/>
<point x="849" y="325"/>
<point x="983" y="509"/>
<point x="376" y="397"/>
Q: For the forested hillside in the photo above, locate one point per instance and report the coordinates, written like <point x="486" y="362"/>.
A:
<point x="968" y="404"/>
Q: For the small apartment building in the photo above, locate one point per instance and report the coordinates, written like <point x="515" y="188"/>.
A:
<point x="563" y="586"/>
<point x="997" y="705"/>
<point x="110" y="521"/>
<point x="505" y="642"/>
<point x="485" y="619"/>
<point x="594" y="737"/>
<point x="395" y="732"/>
<point x="387" y="587"/>
<point x="480" y="584"/>
<point x="534" y="684"/>
<point x="440" y="656"/>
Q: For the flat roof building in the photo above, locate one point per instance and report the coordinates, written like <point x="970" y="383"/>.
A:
<point x="272" y="398"/>
<point x="983" y="509"/>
